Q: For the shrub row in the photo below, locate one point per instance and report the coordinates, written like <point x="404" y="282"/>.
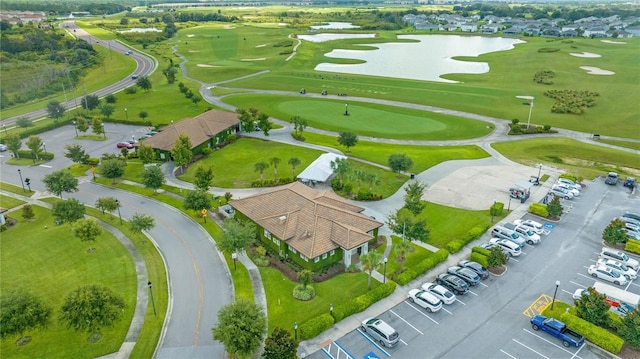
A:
<point x="313" y="327"/>
<point x="473" y="234"/>
<point x="593" y="333"/>
<point x="41" y="155"/>
<point x="271" y="183"/>
<point x="426" y="264"/>
<point x="539" y="209"/>
<point x="480" y="258"/>
<point x="632" y="246"/>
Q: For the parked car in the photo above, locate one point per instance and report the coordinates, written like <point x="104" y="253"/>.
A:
<point x="558" y="329"/>
<point x="610" y="253"/>
<point x="632" y="227"/>
<point x="3" y="147"/>
<point x="570" y="183"/>
<point x="612" y="178"/>
<point x="143" y="137"/>
<point x="535" y="226"/>
<point x="508" y="234"/>
<point x="469" y="276"/>
<point x="124" y="145"/>
<point x="574" y="192"/>
<point x="607" y="274"/>
<point x="578" y="293"/>
<point x="632" y="215"/>
<point x="511" y="248"/>
<point x="380" y="331"/>
<point x="629" y="182"/>
<point x="525" y="233"/>
<point x="440" y="292"/>
<point x="151" y="133"/>
<point x="633" y="235"/>
<point x="453" y="283"/>
<point x="490" y="245"/>
<point x="561" y="192"/>
<point x="425" y="299"/>
<point x="627" y="272"/>
<point x="476" y="267"/>
<point x="629" y="220"/>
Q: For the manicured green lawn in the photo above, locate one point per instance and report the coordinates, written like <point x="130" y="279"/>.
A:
<point x="423" y="157"/>
<point x="448" y="223"/>
<point x="366" y="119"/>
<point x="284" y="310"/>
<point x="393" y="264"/>
<point x="9" y="202"/>
<point x="575" y="157"/>
<point x="628" y="144"/>
<point x="51" y="263"/>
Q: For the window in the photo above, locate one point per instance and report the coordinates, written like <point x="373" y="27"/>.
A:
<point x="303" y="257"/>
<point x="293" y="250"/>
<point x="316" y="259"/>
<point x="324" y="256"/>
<point x="267" y="234"/>
<point x="276" y="241"/>
<point x="333" y="251"/>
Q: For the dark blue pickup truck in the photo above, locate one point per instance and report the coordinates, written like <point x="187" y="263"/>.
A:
<point x="558" y="329"/>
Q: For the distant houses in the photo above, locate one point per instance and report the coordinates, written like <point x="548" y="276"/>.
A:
<point x="590" y="27"/>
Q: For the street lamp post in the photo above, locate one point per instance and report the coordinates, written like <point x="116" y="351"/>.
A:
<point x="5" y="129"/>
<point x="295" y="330"/>
<point x="104" y="132"/>
<point x="509" y="206"/>
<point x="21" y="181"/>
<point x="554" y="294"/>
<point x="493" y="209"/>
<point x="153" y="302"/>
<point x="530" y="98"/>
<point x="539" y="170"/>
<point x="234" y="256"/>
<point x="44" y="145"/>
<point x="118" y="206"/>
<point x="126" y="114"/>
<point x="384" y="278"/>
<point x="346" y="109"/>
<point x="75" y="127"/>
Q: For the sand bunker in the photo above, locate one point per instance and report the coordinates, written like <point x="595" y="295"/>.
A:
<point x="205" y="65"/>
<point x="258" y="59"/>
<point x="613" y="42"/>
<point x="191" y="35"/>
<point x="596" y="70"/>
<point x="262" y="45"/>
<point x="194" y="50"/>
<point x="584" y="54"/>
<point x="229" y="27"/>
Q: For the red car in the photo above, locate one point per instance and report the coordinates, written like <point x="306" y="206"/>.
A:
<point x="124" y="145"/>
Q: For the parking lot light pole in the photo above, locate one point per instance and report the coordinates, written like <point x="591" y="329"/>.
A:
<point x="346" y="109"/>
<point x="118" y="206"/>
<point x="44" y="145"/>
<point x="21" y="181"/>
<point x="384" y="277"/>
<point x="554" y="294"/>
<point x="539" y="170"/>
<point x="153" y="302"/>
<point x="104" y="132"/>
<point x="493" y="209"/>
<point x="75" y="127"/>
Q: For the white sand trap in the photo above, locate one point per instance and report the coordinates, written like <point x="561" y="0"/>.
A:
<point x="596" y="70"/>
<point x="206" y="65"/>
<point x="613" y="42"/>
<point x="262" y="45"/>
<point x="584" y="54"/>
<point x="282" y="24"/>
<point x="194" y="50"/>
<point x="258" y="59"/>
<point x="228" y="27"/>
<point x="191" y="35"/>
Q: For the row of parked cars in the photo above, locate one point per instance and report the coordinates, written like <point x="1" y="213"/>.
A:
<point x="632" y="224"/>
<point x="565" y="188"/>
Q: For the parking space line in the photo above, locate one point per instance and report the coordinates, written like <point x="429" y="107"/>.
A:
<point x="578" y="284"/>
<point x="459" y="301"/>
<point x="566" y="291"/>
<point x="507" y="354"/>
<point x="372" y="342"/>
<point x="473" y="293"/>
<point x="344" y="350"/>
<point x="486" y="286"/>
<point x="327" y="353"/>
<point x="513" y="259"/>
<point x="586" y="276"/>
<point x="554" y="344"/>
<point x="446" y="310"/>
<point x="575" y="355"/>
<point x="403" y="342"/>
<point x="409" y="324"/>
<point x="530" y="349"/>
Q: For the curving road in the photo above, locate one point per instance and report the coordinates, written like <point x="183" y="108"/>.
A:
<point x="145" y="65"/>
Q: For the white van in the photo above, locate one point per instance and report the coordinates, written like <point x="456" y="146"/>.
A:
<point x="380" y="331"/>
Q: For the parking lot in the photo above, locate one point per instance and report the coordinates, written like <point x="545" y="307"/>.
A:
<point x="493" y="321"/>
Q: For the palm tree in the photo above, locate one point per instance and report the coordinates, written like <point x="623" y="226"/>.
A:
<point x="275" y="161"/>
<point x="370" y="262"/>
<point x="260" y="167"/>
<point x="293" y="162"/>
<point x="372" y="179"/>
<point x="401" y="249"/>
<point x="340" y="168"/>
<point x="359" y="176"/>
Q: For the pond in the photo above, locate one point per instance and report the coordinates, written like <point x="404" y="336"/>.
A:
<point x="335" y="26"/>
<point x="427" y="59"/>
<point x="331" y="37"/>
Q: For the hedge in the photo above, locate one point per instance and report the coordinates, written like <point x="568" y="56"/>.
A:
<point x="41" y="155"/>
<point x="480" y="250"/>
<point x="426" y="264"/>
<point x="473" y="234"/>
<point x="539" y="209"/>
<point x="364" y="301"/>
<point x="632" y="246"/>
<point x="479" y="258"/>
<point x="593" y="333"/>
<point x="313" y="327"/>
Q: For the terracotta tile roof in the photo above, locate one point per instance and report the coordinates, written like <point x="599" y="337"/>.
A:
<point x="312" y="222"/>
<point x="199" y="129"/>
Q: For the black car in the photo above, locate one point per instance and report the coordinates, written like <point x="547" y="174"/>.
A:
<point x="629" y="182"/>
<point x="466" y="274"/>
<point x="476" y="267"/>
<point x="453" y="283"/>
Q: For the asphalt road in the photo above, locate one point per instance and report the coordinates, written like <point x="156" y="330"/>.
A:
<point x="493" y="321"/>
<point x="145" y="65"/>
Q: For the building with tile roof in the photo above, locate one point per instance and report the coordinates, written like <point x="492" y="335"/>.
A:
<point x="209" y="129"/>
<point x="313" y="229"/>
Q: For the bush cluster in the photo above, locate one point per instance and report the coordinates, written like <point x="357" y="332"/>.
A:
<point x="313" y="327"/>
<point x="544" y="77"/>
<point x="364" y="301"/>
<point x="571" y="101"/>
<point x="41" y="155"/>
<point x="479" y="258"/>
<point x="431" y="261"/>
<point x="632" y="246"/>
<point x="473" y="234"/>
<point x="548" y="49"/>
<point x="367" y="196"/>
<point x="593" y="333"/>
<point x="539" y="209"/>
<point x="271" y="182"/>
